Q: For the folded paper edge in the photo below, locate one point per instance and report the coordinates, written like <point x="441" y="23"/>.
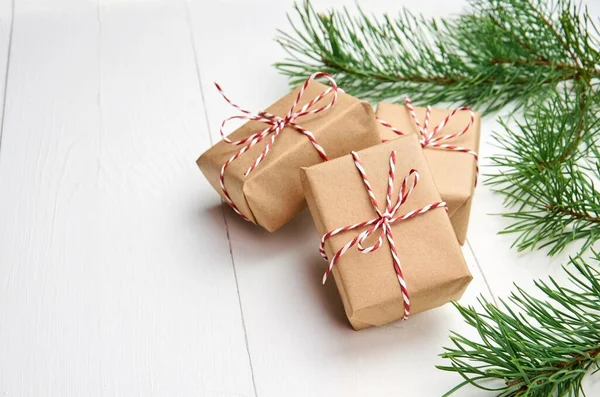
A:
<point x="318" y="222"/>
<point x="217" y="188"/>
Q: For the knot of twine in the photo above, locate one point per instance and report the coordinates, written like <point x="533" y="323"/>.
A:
<point x="429" y="139"/>
<point x="382" y="223"/>
<point x="275" y="124"/>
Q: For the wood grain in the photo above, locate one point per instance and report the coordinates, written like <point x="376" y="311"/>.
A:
<point x="121" y="274"/>
<point x="116" y="276"/>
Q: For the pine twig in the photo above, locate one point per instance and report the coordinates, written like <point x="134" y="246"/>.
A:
<point x="486" y="58"/>
<point x="544" y="349"/>
<point x="550" y="198"/>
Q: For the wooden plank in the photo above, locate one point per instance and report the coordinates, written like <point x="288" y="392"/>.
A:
<point x="116" y="276"/>
<point x="298" y="336"/>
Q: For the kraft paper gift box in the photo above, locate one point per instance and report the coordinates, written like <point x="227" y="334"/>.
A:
<point x="433" y="267"/>
<point x="454" y="172"/>
<point x="271" y="195"/>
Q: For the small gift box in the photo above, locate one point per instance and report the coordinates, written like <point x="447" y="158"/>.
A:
<point x="386" y="233"/>
<point x="255" y="169"/>
<point x="450" y="141"/>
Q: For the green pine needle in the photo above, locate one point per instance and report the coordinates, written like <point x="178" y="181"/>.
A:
<point x="530" y="346"/>
<point x="545" y="176"/>
<point x="500" y="52"/>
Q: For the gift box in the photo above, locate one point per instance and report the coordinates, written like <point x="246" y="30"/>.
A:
<point x="312" y="123"/>
<point x="450" y="140"/>
<point x="413" y="262"/>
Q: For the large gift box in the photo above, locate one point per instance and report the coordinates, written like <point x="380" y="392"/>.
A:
<point x="450" y="140"/>
<point x="319" y="123"/>
<point x="401" y="258"/>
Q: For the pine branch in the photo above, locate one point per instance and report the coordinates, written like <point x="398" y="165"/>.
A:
<point x="543" y="349"/>
<point x="502" y="51"/>
<point x="550" y="195"/>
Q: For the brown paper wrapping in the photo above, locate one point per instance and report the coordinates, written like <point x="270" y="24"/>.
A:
<point x="434" y="268"/>
<point x="272" y="194"/>
<point x="453" y="172"/>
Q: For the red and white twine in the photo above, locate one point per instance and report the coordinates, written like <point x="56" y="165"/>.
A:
<point x="429" y="138"/>
<point x="276" y="124"/>
<point x="383" y="221"/>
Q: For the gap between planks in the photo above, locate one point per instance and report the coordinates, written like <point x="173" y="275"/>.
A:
<point x="493" y="297"/>
<point x="7" y="68"/>
<point x="223" y="209"/>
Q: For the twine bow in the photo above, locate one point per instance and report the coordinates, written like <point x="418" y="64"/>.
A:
<point x="382" y="223"/>
<point x="275" y="124"/>
<point x="429" y="138"/>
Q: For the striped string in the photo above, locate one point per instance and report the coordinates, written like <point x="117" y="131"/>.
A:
<point x="275" y="124"/>
<point x="429" y="138"/>
<point x="382" y="222"/>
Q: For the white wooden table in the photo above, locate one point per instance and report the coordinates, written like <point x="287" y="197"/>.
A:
<point x="120" y="272"/>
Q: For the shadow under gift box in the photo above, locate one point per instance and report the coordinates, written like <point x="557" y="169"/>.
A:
<point x="454" y="172"/>
<point x="271" y="195"/>
<point x="434" y="267"/>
